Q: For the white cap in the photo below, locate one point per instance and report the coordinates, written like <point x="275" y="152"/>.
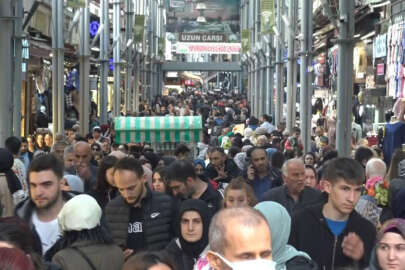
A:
<point x="82" y="212"/>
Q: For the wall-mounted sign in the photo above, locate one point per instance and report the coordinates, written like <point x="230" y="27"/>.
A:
<point x="245" y="40"/>
<point x="209" y="48"/>
<point x="268" y="20"/>
<point x="139" y="28"/>
<point x="380" y="46"/>
<point x="201" y="37"/>
<point x="94" y="25"/>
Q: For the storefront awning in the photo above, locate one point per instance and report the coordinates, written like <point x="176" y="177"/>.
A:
<point x="158" y="129"/>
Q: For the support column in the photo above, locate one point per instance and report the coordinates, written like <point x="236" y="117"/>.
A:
<point x="292" y="66"/>
<point x="279" y="64"/>
<point x="6" y="101"/>
<point x="264" y="84"/>
<point x="270" y="79"/>
<point x="84" y="61"/>
<point x="306" y="74"/>
<point x="58" y="93"/>
<point x="117" y="58"/>
<point x="129" y="65"/>
<point x="17" y="80"/>
<point x="104" y="60"/>
<point x="345" y="77"/>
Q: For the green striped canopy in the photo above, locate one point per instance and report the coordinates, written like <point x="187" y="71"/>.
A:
<point x="158" y="129"/>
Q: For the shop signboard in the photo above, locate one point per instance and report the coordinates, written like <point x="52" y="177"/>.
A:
<point x="209" y="22"/>
<point x="76" y="3"/>
<point x="245" y="40"/>
<point x="208" y="48"/>
<point x="380" y="69"/>
<point x="380" y="46"/>
<point x="268" y="18"/>
<point x="139" y="28"/>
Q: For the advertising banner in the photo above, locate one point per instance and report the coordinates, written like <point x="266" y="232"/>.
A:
<point x="245" y="40"/>
<point x="76" y="3"/>
<point x="268" y="19"/>
<point x="209" y="48"/>
<point x="209" y="22"/>
<point x="139" y="28"/>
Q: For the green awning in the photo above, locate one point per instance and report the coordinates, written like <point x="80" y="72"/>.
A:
<point x="158" y="129"/>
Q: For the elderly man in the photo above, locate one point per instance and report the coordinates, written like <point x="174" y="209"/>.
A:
<point x="82" y="166"/>
<point x="375" y="167"/>
<point x="294" y="192"/>
<point x="239" y="238"/>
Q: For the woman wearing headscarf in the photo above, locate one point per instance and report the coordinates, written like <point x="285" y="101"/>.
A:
<point x="192" y="241"/>
<point x="86" y="245"/>
<point x="388" y="253"/>
<point x="11" y="192"/>
<point x="286" y="256"/>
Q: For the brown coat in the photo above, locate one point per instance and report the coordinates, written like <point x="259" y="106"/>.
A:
<point x="6" y="199"/>
<point x="103" y="257"/>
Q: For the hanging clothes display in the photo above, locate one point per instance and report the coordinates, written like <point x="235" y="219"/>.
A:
<point x="395" y="75"/>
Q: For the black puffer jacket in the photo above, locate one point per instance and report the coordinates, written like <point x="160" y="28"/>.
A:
<point x="231" y="170"/>
<point x="159" y="214"/>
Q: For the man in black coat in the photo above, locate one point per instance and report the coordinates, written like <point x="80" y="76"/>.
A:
<point x="294" y="194"/>
<point x="220" y="169"/>
<point x="332" y="233"/>
<point x="139" y="219"/>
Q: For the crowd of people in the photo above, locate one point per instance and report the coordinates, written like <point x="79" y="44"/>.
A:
<point x="244" y="197"/>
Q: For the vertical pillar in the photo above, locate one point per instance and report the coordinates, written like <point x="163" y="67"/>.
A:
<point x="292" y="66"/>
<point x="129" y="65"/>
<point x="306" y="78"/>
<point x="345" y="77"/>
<point x="6" y="35"/>
<point x="279" y="64"/>
<point x="84" y="62"/>
<point x="270" y="78"/>
<point x="117" y="58"/>
<point x="58" y="96"/>
<point x="18" y="11"/>
<point x="104" y="60"/>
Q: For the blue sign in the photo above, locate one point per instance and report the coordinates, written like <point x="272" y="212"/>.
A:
<point x="111" y="64"/>
<point x="94" y="25"/>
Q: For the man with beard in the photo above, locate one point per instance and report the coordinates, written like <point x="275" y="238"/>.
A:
<point x="41" y="210"/>
<point x="185" y="184"/>
<point x="25" y="155"/>
<point x="139" y="219"/>
<point x="220" y="169"/>
<point x="84" y="169"/>
<point x="259" y="173"/>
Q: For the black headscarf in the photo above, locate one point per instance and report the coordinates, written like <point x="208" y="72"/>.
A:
<point x="194" y="249"/>
<point x="6" y="163"/>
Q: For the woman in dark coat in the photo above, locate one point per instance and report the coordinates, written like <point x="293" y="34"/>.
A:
<point x="192" y="225"/>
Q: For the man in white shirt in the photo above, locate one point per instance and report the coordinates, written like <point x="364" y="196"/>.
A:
<point x="265" y="121"/>
<point x="46" y="199"/>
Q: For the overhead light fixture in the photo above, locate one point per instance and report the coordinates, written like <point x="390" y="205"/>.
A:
<point x="356" y="36"/>
<point x="201" y="19"/>
<point x="266" y="39"/>
<point x="368" y="35"/>
<point x="95" y="49"/>
<point x="201" y="6"/>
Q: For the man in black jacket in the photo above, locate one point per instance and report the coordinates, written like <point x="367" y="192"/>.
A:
<point x="332" y="233"/>
<point x="220" y="169"/>
<point x="184" y="184"/>
<point x="294" y="194"/>
<point x="139" y="219"/>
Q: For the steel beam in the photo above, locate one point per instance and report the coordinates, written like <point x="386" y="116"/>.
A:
<point x="279" y="64"/>
<point x="117" y="58"/>
<point x="202" y="66"/>
<point x="17" y="80"/>
<point x="306" y="75"/>
<point x="345" y="77"/>
<point x="6" y="100"/>
<point x="104" y="62"/>
<point x="84" y="62"/>
<point x="58" y="93"/>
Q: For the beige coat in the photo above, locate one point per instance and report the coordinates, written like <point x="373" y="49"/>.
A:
<point x="6" y="199"/>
